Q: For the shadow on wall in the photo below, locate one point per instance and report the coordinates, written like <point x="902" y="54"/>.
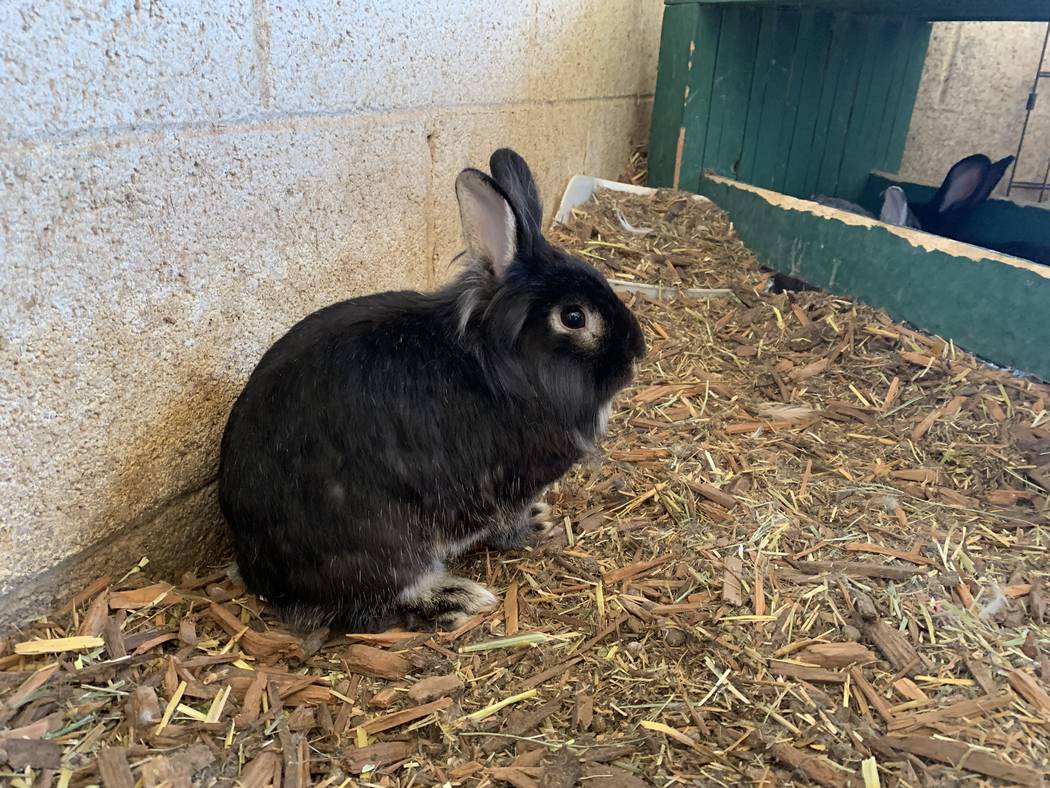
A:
<point x="182" y="532"/>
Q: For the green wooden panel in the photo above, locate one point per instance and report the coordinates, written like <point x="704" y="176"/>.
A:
<point x="676" y="37"/>
<point x="779" y="103"/>
<point x="699" y="101"/>
<point x="796" y="60"/>
<point x="862" y="136"/>
<point x="814" y="41"/>
<point x="841" y="44"/>
<point x="859" y="43"/>
<point x="917" y="45"/>
<point x="722" y="89"/>
<point x="733" y="70"/>
<point x="994" y="221"/>
<point x="993" y="309"/>
<point x="961" y="10"/>
<point x="757" y="108"/>
<point x="802" y="101"/>
<point x="897" y="67"/>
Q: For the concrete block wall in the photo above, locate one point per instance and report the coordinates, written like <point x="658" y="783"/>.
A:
<point x="972" y="97"/>
<point x="180" y="182"/>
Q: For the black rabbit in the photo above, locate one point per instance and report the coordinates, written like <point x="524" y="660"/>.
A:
<point x="968" y="183"/>
<point x="384" y="435"/>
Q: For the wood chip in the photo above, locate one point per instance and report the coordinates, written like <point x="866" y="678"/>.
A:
<point x="376" y="662"/>
<point x="806" y="672"/>
<point x="35" y="753"/>
<point x="732" y="590"/>
<point x="57" y="645"/>
<point x="510" y="609"/>
<point x="857" y="569"/>
<point x="1025" y="685"/>
<point x="963" y="709"/>
<point x="963" y="756"/>
<point x="379" y="754"/>
<point x="877" y="702"/>
<point x="633" y="570"/>
<point x="583" y="713"/>
<point x="434" y="687"/>
<point x="896" y="648"/>
<point x="816" y="768"/>
<point x="26" y="689"/>
<point x="399" y="718"/>
<point x="148" y="596"/>
<point x="836" y="655"/>
<point x="714" y="494"/>
<point x="114" y="769"/>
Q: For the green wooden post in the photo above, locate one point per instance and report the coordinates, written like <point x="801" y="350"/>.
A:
<point x="771" y="88"/>
<point x="814" y="42"/>
<point x="699" y="97"/>
<point x="733" y="71"/>
<point x="758" y="108"/>
<point x="857" y="35"/>
<point x="916" y="45"/>
<point x="676" y="38"/>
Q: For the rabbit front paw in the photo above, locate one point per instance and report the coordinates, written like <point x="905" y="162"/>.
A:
<point x="531" y="526"/>
<point x="441" y="601"/>
<point x="539" y="520"/>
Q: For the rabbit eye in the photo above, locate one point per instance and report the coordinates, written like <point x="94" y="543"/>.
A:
<point x="573" y="317"/>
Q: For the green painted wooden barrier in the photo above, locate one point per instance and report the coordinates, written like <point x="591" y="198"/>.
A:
<point x="989" y="304"/>
<point x="789" y="97"/>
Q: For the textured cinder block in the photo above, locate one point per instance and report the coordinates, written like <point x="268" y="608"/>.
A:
<point x="616" y="127"/>
<point x="595" y="48"/>
<point x="77" y="65"/>
<point x="350" y="55"/>
<point x="144" y="279"/>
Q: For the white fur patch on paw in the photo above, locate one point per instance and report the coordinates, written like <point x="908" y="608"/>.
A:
<point x="436" y="589"/>
<point x="474" y="595"/>
<point x="540" y="519"/>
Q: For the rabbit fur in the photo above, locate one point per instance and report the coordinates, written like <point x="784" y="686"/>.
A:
<point x="385" y="435"/>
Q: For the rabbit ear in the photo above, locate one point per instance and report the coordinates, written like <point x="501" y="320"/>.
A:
<point x="962" y="182"/>
<point x="488" y="222"/>
<point x="512" y="173"/>
<point x="894" y="207"/>
<point x="992" y="176"/>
